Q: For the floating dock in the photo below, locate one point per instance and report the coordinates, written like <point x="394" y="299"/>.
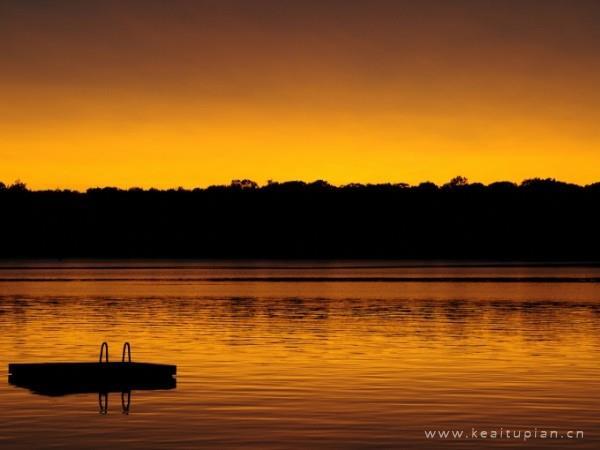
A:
<point x="103" y="376"/>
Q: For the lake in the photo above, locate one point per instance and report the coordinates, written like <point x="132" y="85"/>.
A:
<point x="274" y="355"/>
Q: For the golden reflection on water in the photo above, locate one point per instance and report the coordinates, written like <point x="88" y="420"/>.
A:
<point x="305" y="365"/>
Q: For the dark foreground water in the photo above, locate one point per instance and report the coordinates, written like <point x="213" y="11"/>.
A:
<point x="303" y="355"/>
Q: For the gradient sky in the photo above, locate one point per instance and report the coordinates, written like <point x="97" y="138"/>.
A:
<point x="190" y="93"/>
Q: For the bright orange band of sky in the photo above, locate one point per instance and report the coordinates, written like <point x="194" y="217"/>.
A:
<point x="192" y="93"/>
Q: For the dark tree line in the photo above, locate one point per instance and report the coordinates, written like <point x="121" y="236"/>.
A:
<point x="536" y="220"/>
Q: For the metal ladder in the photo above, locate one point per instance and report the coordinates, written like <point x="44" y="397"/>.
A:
<point x="126" y="351"/>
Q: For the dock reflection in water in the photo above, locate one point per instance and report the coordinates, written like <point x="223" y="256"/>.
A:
<point x="54" y="389"/>
<point x="59" y="390"/>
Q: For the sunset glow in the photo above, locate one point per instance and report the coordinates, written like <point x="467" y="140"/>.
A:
<point x="193" y="93"/>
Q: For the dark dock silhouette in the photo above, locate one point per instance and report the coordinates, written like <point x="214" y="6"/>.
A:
<point x="64" y="378"/>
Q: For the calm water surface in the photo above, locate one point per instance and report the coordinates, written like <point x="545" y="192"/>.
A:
<point x="307" y="355"/>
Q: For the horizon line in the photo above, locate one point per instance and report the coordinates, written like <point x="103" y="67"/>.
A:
<point x="248" y="184"/>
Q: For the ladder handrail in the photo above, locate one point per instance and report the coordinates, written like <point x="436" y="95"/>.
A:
<point x="102" y="347"/>
<point x="126" y="346"/>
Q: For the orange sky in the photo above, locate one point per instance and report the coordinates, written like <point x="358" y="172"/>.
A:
<point x="191" y="93"/>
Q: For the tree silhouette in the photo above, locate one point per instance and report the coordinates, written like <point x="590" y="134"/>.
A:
<point x="542" y="219"/>
<point x="457" y="182"/>
<point x="17" y="186"/>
